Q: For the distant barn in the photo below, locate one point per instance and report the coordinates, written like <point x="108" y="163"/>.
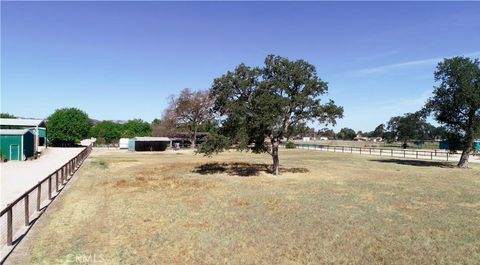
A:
<point x="142" y="144"/>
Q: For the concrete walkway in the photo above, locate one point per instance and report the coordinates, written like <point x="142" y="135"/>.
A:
<point x="16" y="177"/>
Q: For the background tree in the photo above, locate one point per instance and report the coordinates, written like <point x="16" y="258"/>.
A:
<point x="106" y="131"/>
<point x="7" y="115"/>
<point x="167" y="126"/>
<point x="329" y="133"/>
<point x="68" y="126"/>
<point x="260" y="106"/>
<point x="346" y="134"/>
<point x="190" y="110"/>
<point x="439" y="133"/>
<point x="408" y="127"/>
<point x="456" y="102"/>
<point x="156" y="122"/>
<point x="136" y="127"/>
<point x="379" y="131"/>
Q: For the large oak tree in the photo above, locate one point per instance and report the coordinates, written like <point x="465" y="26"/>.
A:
<point x="261" y="106"/>
<point x="456" y="102"/>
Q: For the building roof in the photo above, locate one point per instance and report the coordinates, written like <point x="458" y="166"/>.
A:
<point x="151" y="139"/>
<point x="14" y="131"/>
<point x="23" y="122"/>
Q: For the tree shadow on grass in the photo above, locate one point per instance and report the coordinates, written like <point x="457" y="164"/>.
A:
<point x="417" y="163"/>
<point x="242" y="169"/>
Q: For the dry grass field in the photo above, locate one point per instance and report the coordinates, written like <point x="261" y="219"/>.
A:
<point x="325" y="208"/>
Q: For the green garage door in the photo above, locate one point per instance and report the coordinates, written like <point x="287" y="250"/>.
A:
<point x="14" y="152"/>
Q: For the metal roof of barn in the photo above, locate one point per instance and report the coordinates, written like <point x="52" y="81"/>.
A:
<point x="14" y="131"/>
<point x="151" y="139"/>
<point x="23" y="122"/>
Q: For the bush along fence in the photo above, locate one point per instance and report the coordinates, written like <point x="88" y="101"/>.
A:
<point x="17" y="217"/>
<point x="401" y="153"/>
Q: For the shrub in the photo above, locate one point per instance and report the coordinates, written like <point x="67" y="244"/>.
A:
<point x="290" y="145"/>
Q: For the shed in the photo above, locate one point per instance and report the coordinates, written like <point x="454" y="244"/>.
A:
<point x="138" y="144"/>
<point x="37" y="126"/>
<point x="123" y="143"/>
<point x="16" y="144"/>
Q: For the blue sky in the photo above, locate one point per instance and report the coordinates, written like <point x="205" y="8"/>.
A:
<point x="121" y="60"/>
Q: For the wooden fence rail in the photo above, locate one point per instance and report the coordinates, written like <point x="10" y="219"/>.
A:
<point x="65" y="172"/>
<point x="404" y="153"/>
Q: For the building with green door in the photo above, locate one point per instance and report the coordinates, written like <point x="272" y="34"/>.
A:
<point x="16" y="144"/>
<point x="36" y="126"/>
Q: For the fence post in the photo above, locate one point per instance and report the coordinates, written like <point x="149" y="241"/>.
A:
<point x="403" y="153"/>
<point x="334" y="149"/>
<point x="380" y="151"/>
<point x="39" y="194"/>
<point x="447" y="156"/>
<point x="9" y="227"/>
<point x="370" y="150"/>
<point x="50" y="187"/>
<point x="27" y="219"/>
<point x="351" y="150"/>
<point x="431" y="156"/>
<point x="416" y="154"/>
<point x="343" y="149"/>
<point x="62" y="173"/>
<point x="56" y="181"/>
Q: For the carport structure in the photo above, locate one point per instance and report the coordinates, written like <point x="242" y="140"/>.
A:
<point x="36" y="126"/>
<point x="149" y="144"/>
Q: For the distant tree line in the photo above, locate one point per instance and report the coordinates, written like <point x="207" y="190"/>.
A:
<point x="405" y="128"/>
<point x="108" y="132"/>
<point x="255" y="108"/>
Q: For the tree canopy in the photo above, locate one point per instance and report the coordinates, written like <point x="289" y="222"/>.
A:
<point x="7" y="115"/>
<point x="456" y="102"/>
<point x="346" y="134"/>
<point x="189" y="111"/>
<point x="409" y="126"/>
<point x="68" y="126"/>
<point x="379" y="131"/>
<point x="261" y="106"/>
<point x="106" y="131"/>
<point x="136" y="127"/>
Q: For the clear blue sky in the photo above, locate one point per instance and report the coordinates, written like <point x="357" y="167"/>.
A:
<point x="121" y="60"/>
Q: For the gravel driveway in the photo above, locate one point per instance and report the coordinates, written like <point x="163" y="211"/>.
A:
<point x="16" y="177"/>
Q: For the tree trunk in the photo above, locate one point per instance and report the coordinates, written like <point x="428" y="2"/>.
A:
<point x="276" y="161"/>
<point x="468" y="148"/>
<point x="466" y="154"/>
<point x="194" y="139"/>
<point x="464" y="158"/>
